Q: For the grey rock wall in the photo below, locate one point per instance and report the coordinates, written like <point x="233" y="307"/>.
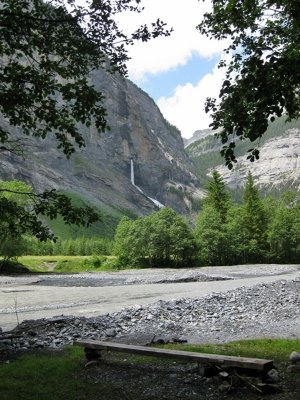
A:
<point x="278" y="166"/>
<point x="100" y="172"/>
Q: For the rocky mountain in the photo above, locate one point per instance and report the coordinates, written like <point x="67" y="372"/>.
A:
<point x="140" y="142"/>
<point x="197" y="135"/>
<point x="277" y="169"/>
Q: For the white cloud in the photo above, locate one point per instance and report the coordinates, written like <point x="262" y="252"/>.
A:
<point x="185" y="108"/>
<point x="163" y="54"/>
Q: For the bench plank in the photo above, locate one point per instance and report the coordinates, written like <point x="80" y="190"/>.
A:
<point x="257" y="364"/>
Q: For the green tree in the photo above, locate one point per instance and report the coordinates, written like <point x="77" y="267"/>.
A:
<point x="11" y="248"/>
<point x="163" y="238"/>
<point x="211" y="230"/>
<point x="262" y="78"/>
<point x="239" y="244"/>
<point x="13" y="245"/>
<point x="23" y="217"/>
<point x="99" y="246"/>
<point x="130" y="241"/>
<point x="49" y="50"/>
<point x="254" y="224"/>
<point x="217" y="196"/>
<point x="212" y="238"/>
<point x="171" y="238"/>
<point x="284" y="230"/>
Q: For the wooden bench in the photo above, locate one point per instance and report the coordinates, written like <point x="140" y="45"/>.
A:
<point x="257" y="364"/>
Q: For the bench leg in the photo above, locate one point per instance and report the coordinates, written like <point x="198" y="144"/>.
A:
<point x="92" y="354"/>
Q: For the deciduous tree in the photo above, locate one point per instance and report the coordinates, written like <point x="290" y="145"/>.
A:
<point x="262" y="77"/>
<point x="163" y="238"/>
<point x="211" y="236"/>
<point x="284" y="230"/>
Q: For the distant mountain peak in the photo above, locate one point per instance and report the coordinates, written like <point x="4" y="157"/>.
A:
<point x="198" y="135"/>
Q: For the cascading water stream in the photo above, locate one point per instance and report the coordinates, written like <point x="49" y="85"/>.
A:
<point x="132" y="172"/>
<point x="156" y="202"/>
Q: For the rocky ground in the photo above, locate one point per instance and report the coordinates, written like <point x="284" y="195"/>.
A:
<point x="265" y="310"/>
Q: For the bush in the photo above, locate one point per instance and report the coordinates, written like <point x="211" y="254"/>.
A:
<point x="94" y="262"/>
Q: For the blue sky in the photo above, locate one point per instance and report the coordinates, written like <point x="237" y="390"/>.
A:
<point x="179" y="72"/>
<point x="163" y="84"/>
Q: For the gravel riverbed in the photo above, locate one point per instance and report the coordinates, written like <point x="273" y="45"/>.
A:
<point x="265" y="310"/>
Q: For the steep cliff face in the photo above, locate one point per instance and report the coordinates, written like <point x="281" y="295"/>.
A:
<point x="278" y="167"/>
<point x="100" y="172"/>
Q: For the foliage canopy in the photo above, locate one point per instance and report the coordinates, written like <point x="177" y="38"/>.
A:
<point x="262" y="78"/>
<point x="48" y="49"/>
<point x="161" y="239"/>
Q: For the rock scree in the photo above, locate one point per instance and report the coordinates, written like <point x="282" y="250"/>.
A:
<point x="265" y="310"/>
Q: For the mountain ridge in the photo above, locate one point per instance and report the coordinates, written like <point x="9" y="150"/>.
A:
<point x="277" y="169"/>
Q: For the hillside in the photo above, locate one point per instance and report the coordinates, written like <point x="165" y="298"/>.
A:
<point x="277" y="169"/>
<point x="136" y="165"/>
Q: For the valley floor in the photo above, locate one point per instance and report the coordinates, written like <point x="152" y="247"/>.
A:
<point x="245" y="296"/>
<point x="207" y="305"/>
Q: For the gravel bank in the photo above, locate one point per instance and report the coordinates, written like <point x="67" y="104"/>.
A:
<point x="148" y="276"/>
<point x="265" y="310"/>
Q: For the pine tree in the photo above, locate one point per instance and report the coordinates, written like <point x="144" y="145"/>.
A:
<point x="218" y="197"/>
<point x="254" y="223"/>
<point x="211" y="230"/>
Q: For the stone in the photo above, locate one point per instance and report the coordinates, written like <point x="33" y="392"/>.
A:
<point x="224" y="374"/>
<point x="293" y="368"/>
<point x="191" y="320"/>
<point x="110" y="333"/>
<point x="275" y="168"/>
<point x="39" y="344"/>
<point x="295" y="357"/>
<point x="273" y="376"/>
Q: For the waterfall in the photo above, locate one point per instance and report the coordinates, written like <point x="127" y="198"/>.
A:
<point x="132" y="172"/>
<point x="156" y="202"/>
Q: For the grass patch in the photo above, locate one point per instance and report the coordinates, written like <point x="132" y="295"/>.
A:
<point x="274" y="349"/>
<point x="56" y="375"/>
<point x="39" y="263"/>
<point x="84" y="264"/>
<point x="69" y="264"/>
<point x="50" y="377"/>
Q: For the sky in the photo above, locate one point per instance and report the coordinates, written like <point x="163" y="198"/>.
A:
<point x="179" y="72"/>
